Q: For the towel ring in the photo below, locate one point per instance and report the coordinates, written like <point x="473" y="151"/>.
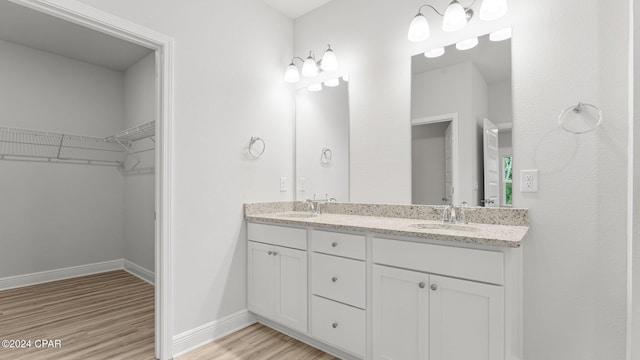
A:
<point x="325" y="156"/>
<point x="255" y="151"/>
<point x="574" y="111"/>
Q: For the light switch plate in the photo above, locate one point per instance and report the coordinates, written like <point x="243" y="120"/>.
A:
<point x="283" y="184"/>
<point x="302" y="184"/>
<point x="529" y="181"/>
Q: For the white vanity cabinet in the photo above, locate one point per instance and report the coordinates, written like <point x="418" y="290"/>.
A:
<point x="363" y="296"/>
<point x="277" y="274"/>
<point x="422" y="316"/>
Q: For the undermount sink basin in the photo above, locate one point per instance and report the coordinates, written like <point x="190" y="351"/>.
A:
<point x="298" y="215"/>
<point x="457" y="227"/>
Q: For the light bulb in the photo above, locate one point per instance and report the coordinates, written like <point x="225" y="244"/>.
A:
<point x="309" y="68"/>
<point x="467" y="44"/>
<point x="455" y="17"/>
<point x="332" y="82"/>
<point x="329" y="60"/>
<point x="292" y="75"/>
<point x="493" y="9"/>
<point x="419" y="29"/>
<point x="315" y="87"/>
<point x="434" y="53"/>
<point x="345" y="77"/>
<point x="500" y="35"/>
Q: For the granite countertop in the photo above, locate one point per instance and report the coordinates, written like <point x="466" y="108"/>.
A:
<point x="474" y="233"/>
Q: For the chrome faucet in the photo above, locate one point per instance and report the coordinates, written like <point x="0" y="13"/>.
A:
<point x="314" y="206"/>
<point x="455" y="215"/>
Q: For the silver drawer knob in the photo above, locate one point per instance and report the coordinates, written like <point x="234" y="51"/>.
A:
<point x="334" y="244"/>
<point x="334" y="279"/>
<point x="275" y="253"/>
<point x="434" y="287"/>
<point x="421" y="285"/>
<point x="335" y="325"/>
<point x="270" y="253"/>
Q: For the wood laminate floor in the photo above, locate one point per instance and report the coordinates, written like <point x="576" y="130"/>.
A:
<point x="257" y="342"/>
<point x="103" y="316"/>
<point x="111" y="316"/>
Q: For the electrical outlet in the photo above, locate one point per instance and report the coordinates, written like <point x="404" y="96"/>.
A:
<point x="529" y="180"/>
<point x="283" y="184"/>
<point x="302" y="184"/>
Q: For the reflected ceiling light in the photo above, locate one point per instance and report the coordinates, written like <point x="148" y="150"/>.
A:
<point x="500" y="35"/>
<point x="434" y="53"/>
<point x="315" y="87"/>
<point x="311" y="67"/>
<point x="455" y="17"/>
<point x="332" y="82"/>
<point x="467" y="44"/>
<point x="493" y="9"/>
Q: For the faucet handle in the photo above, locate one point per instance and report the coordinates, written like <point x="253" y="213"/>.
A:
<point x="462" y="218"/>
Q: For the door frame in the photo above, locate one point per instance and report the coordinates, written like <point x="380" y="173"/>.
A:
<point x="96" y="19"/>
<point x="453" y="118"/>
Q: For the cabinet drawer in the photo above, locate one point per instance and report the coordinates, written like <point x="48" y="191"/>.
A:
<point x="347" y="245"/>
<point x="339" y="325"/>
<point x="339" y="279"/>
<point x="278" y="235"/>
<point x="472" y="264"/>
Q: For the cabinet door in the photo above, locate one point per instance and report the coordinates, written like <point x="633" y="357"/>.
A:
<point x="260" y="279"/>
<point x="400" y="314"/>
<point x="466" y="320"/>
<point x="291" y="288"/>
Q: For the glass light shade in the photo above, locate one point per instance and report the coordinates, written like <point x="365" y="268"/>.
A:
<point x="329" y="61"/>
<point x="467" y="44"/>
<point x="493" y="9"/>
<point x="455" y="17"/>
<point x="500" y="35"/>
<point x="434" y="53"/>
<point x="332" y="82"/>
<point x="309" y="68"/>
<point x="315" y="87"/>
<point x="419" y="29"/>
<point x="292" y="75"/>
<point x="345" y="77"/>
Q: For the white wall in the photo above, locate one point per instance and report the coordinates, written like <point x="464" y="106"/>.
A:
<point x="322" y="121"/>
<point x="58" y="215"/>
<point x="635" y="260"/>
<point x="230" y="58"/>
<point x="139" y="186"/>
<point x="428" y="163"/>
<point x="500" y="102"/>
<point x="574" y="278"/>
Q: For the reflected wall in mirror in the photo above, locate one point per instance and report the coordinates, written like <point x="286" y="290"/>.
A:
<point x="451" y="97"/>
<point x="322" y="143"/>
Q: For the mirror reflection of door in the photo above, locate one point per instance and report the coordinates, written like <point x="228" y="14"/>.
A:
<point x="432" y="158"/>
<point x="491" y="164"/>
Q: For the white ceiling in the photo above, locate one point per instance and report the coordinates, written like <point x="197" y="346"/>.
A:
<point x="295" y="8"/>
<point x="492" y="59"/>
<point x="31" y="28"/>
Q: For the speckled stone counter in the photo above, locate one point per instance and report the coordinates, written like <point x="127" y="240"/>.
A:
<point x="503" y="227"/>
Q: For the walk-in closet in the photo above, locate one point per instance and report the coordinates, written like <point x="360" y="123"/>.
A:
<point x="77" y="159"/>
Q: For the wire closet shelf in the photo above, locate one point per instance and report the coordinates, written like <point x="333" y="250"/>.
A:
<point x="44" y="146"/>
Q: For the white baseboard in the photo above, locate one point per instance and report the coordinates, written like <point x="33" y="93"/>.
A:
<point x="204" y="334"/>
<point x="12" y="282"/>
<point x="137" y="270"/>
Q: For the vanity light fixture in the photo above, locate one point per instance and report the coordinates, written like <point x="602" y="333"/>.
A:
<point x="455" y="17"/>
<point x="315" y="87"/>
<point x="310" y="66"/>
<point x="500" y="35"/>
<point x="332" y="82"/>
<point x="434" y="53"/>
<point x="467" y="44"/>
